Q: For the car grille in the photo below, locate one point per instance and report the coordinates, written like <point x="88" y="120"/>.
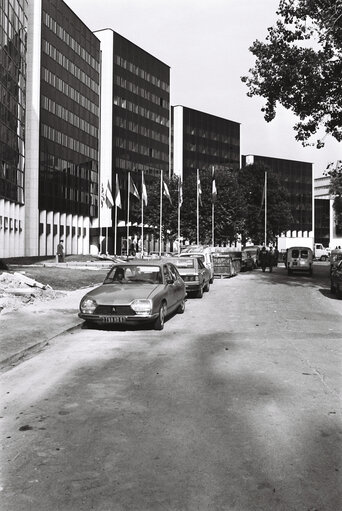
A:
<point x="114" y="310"/>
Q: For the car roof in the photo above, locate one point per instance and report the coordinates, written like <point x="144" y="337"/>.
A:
<point x="142" y="262"/>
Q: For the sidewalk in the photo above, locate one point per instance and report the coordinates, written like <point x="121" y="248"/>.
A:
<point x="30" y="328"/>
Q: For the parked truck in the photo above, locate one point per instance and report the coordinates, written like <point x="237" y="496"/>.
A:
<point x="320" y="253"/>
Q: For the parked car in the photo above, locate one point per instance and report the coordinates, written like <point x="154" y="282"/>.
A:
<point x="195" y="275"/>
<point x="336" y="279"/>
<point x="136" y="292"/>
<point x="299" y="259"/>
<point x="206" y="258"/>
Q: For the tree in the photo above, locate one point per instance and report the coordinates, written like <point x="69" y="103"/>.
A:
<point x="300" y="66"/>
<point x="279" y="216"/>
<point x="335" y="190"/>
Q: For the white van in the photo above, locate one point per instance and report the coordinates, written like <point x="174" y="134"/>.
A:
<point x="321" y="253"/>
<point x="299" y="259"/>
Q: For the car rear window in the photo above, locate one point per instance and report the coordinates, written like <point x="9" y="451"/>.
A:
<point x="183" y="262"/>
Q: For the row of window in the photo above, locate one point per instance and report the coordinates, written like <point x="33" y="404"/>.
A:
<point x="138" y="71"/>
<point x="11" y="224"/>
<point x="55" y="164"/>
<point x="224" y="138"/>
<point x="12" y="174"/>
<point x="202" y="149"/>
<point x="63" y="61"/>
<point x="11" y="7"/>
<point x="140" y="110"/>
<point x="70" y="117"/>
<point x="70" y="41"/>
<point x="69" y="91"/>
<point x="10" y="139"/>
<point x="141" y="130"/>
<point x="69" y="142"/>
<point x="10" y="28"/>
<point x="121" y="163"/>
<point x="47" y="231"/>
<point x="10" y="102"/>
<point x="140" y="91"/>
<point x="123" y="143"/>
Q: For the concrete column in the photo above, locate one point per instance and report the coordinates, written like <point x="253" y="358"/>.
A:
<point x="42" y="236"/>
<point x="33" y="242"/>
<point x="49" y="237"/>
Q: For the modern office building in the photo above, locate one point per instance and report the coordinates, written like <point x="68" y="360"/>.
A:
<point x="201" y="140"/>
<point x="13" y="48"/>
<point x="135" y="121"/>
<point x="49" y="178"/>
<point x="297" y="178"/>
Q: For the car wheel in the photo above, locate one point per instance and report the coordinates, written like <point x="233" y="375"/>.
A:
<point x="207" y="287"/>
<point x="199" y="293"/>
<point x="181" y="307"/>
<point x="159" y="322"/>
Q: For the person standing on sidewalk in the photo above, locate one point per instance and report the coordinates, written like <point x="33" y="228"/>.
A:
<point x="60" y="252"/>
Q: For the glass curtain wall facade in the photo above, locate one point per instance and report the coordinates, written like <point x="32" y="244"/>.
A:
<point x="297" y="178"/>
<point x="141" y="116"/>
<point x="69" y="115"/>
<point x="206" y="140"/>
<point x="13" y="40"/>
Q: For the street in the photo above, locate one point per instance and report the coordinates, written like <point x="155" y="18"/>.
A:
<point x="234" y="406"/>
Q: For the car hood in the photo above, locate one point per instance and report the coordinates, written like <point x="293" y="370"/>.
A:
<point x="109" y="294"/>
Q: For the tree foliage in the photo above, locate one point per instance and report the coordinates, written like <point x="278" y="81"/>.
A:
<point x="237" y="212"/>
<point x="335" y="175"/>
<point x="300" y="66"/>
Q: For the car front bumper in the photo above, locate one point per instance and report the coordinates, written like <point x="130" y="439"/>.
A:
<point x="117" y="320"/>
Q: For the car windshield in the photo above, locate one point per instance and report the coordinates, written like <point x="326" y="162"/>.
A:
<point x="134" y="273"/>
<point x="184" y="262"/>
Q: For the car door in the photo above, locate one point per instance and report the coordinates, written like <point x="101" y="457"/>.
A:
<point x="171" y="288"/>
<point x="178" y="283"/>
<point x="203" y="272"/>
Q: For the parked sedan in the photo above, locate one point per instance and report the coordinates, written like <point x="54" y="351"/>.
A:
<point x="195" y="275"/>
<point x="336" y="279"/>
<point x="136" y="292"/>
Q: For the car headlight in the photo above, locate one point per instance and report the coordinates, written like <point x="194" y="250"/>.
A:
<point x="88" y="306"/>
<point x="142" y="307"/>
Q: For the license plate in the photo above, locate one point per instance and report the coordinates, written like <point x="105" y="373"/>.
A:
<point x="113" y="319"/>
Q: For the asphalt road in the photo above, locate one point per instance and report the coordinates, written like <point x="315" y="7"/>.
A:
<point x="234" y="406"/>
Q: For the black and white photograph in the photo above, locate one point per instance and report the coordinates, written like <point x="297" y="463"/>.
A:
<point x="170" y="255"/>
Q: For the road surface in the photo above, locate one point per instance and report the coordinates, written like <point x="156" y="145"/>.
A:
<point x="234" y="406"/>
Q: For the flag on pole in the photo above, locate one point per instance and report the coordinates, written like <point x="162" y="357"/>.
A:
<point x="213" y="188"/>
<point x="143" y="190"/>
<point x="109" y="196"/>
<point x="167" y="192"/>
<point x="180" y="193"/>
<point x="117" y="193"/>
<point x="133" y="188"/>
<point x="199" y="190"/>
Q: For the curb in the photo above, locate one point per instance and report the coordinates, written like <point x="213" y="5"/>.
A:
<point x="15" y="359"/>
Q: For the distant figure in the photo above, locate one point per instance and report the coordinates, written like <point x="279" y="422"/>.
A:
<point x="60" y="252"/>
<point x="275" y="257"/>
<point x="270" y="259"/>
<point x="263" y="256"/>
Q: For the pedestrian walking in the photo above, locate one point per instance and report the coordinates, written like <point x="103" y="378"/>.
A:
<point x="275" y="257"/>
<point x="60" y="252"/>
<point x="263" y="258"/>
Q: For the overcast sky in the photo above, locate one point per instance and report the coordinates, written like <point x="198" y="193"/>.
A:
<point x="205" y="42"/>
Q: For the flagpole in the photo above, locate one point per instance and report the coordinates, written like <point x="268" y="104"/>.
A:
<point x="161" y="212"/>
<point x="265" y="209"/>
<point x="106" y="240"/>
<point x="197" y="218"/>
<point x="213" y="217"/>
<point x="142" y="214"/>
<point x="128" y="196"/>
<point x="115" y="227"/>
<point x="179" y="207"/>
